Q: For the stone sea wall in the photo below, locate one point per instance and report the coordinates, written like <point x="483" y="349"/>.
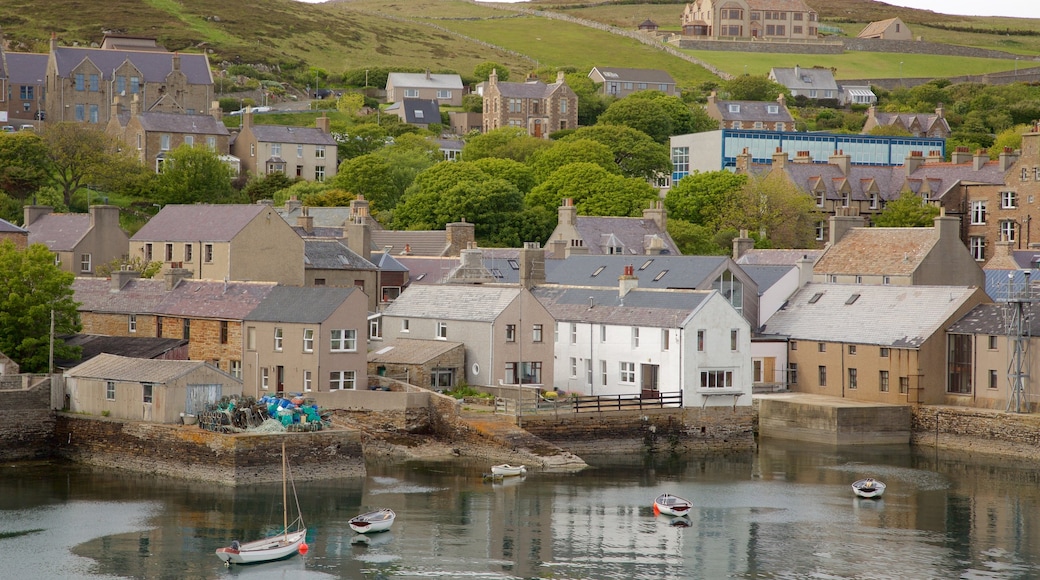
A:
<point x="26" y="420"/>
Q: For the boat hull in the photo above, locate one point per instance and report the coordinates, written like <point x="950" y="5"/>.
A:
<point x="672" y="505"/>
<point x="373" y="522"/>
<point x="506" y="470"/>
<point x="266" y="550"/>
<point x="872" y="490"/>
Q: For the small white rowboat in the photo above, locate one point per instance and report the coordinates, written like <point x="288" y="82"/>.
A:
<point x="506" y="470"/>
<point x="371" y="522"/>
<point x="868" y="488"/>
<point x="672" y="505"/>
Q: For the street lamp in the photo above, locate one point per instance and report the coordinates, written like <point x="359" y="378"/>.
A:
<point x="900" y="73"/>
<point x="1016" y="66"/>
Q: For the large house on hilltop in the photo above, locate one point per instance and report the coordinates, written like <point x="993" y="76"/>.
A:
<point x="537" y="108"/>
<point x="750" y="19"/>
<point x="621" y="82"/>
<point x="154" y="135"/>
<point x="917" y="124"/>
<point x="446" y="89"/>
<point x="82" y="83"/>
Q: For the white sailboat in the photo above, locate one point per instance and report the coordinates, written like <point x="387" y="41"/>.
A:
<point x="277" y="547"/>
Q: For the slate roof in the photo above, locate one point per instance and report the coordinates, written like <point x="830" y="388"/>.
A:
<point x="198" y="222"/>
<point x="419" y="111"/>
<point x="640" y="307"/>
<point x="633" y="234"/>
<point x="465" y="302"/>
<point x="1000" y="284"/>
<point x="894" y="316"/>
<point x="535" y="89"/>
<point x="766" y="276"/>
<point x="120" y="368"/>
<point x="995" y="319"/>
<point x="332" y="255"/>
<point x="411" y="351"/>
<point x="387" y="263"/>
<point x="804" y="79"/>
<point x="635" y="75"/>
<point x="154" y="66"/>
<point x="60" y="232"/>
<point x="25" y="68"/>
<point x="7" y="227"/>
<point x="652" y="271"/>
<point x="419" y="81"/>
<point x="214" y="299"/>
<point x="324" y="217"/>
<point x="294" y="135"/>
<point x="927" y="121"/>
<point x="751" y="111"/>
<point x="146" y="347"/>
<point x="772" y="257"/>
<point x="438" y="270"/>
<point x="877" y="251"/>
<point x="137" y="296"/>
<point x="419" y="243"/>
<point x="175" y="123"/>
<point x="308" y="305"/>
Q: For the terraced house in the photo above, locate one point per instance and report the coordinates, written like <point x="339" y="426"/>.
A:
<point x="750" y="19"/>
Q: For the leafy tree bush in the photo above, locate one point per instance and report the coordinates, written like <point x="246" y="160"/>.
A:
<point x="909" y="211"/>
<point x="194" y="175"/>
<point x="483" y="71"/>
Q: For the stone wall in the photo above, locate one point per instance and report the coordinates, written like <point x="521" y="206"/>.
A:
<point x="982" y="430"/>
<point x="678" y="430"/>
<point x="26" y="421"/>
<point x="194" y="453"/>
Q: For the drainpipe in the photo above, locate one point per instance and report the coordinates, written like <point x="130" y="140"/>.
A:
<point x="843" y="371"/>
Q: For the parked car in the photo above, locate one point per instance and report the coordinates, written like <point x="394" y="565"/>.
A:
<point x="27" y="127"/>
<point x="8" y="129"/>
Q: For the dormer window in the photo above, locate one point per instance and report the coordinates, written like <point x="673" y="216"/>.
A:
<point x="734" y="108"/>
<point x="773" y="109"/>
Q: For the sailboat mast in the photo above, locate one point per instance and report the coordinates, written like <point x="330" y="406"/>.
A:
<point x="285" y="498"/>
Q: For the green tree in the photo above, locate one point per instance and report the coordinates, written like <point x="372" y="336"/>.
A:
<point x="644" y="115"/>
<point x="406" y="163"/>
<point x="1008" y="138"/>
<point x="135" y="263"/>
<point x="591" y="103"/>
<point x="754" y="88"/>
<point x="775" y="208"/>
<point x="194" y="175"/>
<point x="361" y="140"/>
<point x="483" y="71"/>
<point x="546" y="161"/>
<point x="908" y="211"/>
<point x="79" y="154"/>
<point x="266" y="186"/>
<point x="331" y="197"/>
<point x="350" y="103"/>
<point x="23" y="159"/>
<point x="370" y="176"/>
<point x="635" y="153"/>
<point x="32" y="287"/>
<point x="702" y="198"/>
<point x="695" y="239"/>
<point x="514" y="172"/>
<point x="594" y="190"/>
<point x="507" y="143"/>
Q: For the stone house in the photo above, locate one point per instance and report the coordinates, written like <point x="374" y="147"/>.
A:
<point x="750" y="19"/>
<point x="446" y="89"/>
<point x="917" y="124"/>
<point x="218" y="242"/>
<point x="812" y="83"/>
<point x="134" y="389"/>
<point x="932" y="256"/>
<point x="437" y="364"/>
<point x="82" y="83"/>
<point x="306" y="340"/>
<point x="306" y="152"/>
<point x="766" y="115"/>
<point x="628" y="236"/>
<point x="536" y="107"/>
<point x="873" y="343"/>
<point x="22" y="77"/>
<point x="621" y="82"/>
<point x="154" y="135"/>
<point x="637" y="341"/>
<point x="18" y="236"/>
<point x="890" y="29"/>
<point x="80" y="242"/>
<point x="505" y="329"/>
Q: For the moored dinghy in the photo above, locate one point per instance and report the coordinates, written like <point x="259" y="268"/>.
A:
<point x="671" y="505"/>
<point x="868" y="488"/>
<point x="506" y="470"/>
<point x="371" y="522"/>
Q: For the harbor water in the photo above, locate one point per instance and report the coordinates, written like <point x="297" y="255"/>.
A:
<point x="784" y="511"/>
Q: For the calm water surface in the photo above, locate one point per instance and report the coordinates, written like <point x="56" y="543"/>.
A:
<point x="786" y="511"/>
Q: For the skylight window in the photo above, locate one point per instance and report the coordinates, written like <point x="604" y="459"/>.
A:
<point x="852" y="299"/>
<point x="514" y="264"/>
<point x="646" y="264"/>
<point x="816" y="298"/>
<point x="598" y="271"/>
<point x="660" y="275"/>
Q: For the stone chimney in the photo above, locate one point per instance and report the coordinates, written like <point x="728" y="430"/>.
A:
<point x="215" y="111"/>
<point x="54" y="42"/>
<point x="557" y="249"/>
<point x="121" y="277"/>
<point x="913" y="162"/>
<point x="1007" y="158"/>
<point x="459" y="236"/>
<point x="741" y="244"/>
<point x="427" y="74"/>
<point x="805" y="270"/>
<point x="577" y="247"/>
<point x="780" y="158"/>
<point x="960" y="155"/>
<point x="979" y="160"/>
<point x="471" y="268"/>
<point x="305" y="220"/>
<point x="176" y="61"/>
<point x="657" y="213"/>
<point x="934" y="156"/>
<point x="1031" y="142"/>
<point x="782" y="100"/>
<point x="493" y="78"/>
<point x="247" y="118"/>
<point x="323" y="123"/>
<point x="1002" y="258"/>
<point x="567" y="213"/>
<point x="31" y="213"/>
<point x="117" y="106"/>
<point x="359" y="233"/>
<point x="940" y="112"/>
<point x="532" y="265"/>
<point x="948" y="227"/>
<point x="803" y="157"/>
<point x="842" y="160"/>
<point x="135" y="105"/>
<point x="293" y="204"/>
<point x="713" y="97"/>
<point x="744" y="161"/>
<point x="173" y="276"/>
<point x="627" y="281"/>
<point x="104" y="217"/>
<point x="559" y="77"/>
<point x="841" y="224"/>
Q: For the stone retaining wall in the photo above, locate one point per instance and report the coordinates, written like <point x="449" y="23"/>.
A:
<point x="982" y="430"/>
<point x="678" y="430"/>
<point x="194" y="453"/>
<point x="26" y="421"/>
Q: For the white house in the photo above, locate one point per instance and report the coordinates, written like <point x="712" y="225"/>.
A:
<point x="634" y="341"/>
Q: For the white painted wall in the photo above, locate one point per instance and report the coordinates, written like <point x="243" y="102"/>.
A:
<point x="717" y="318"/>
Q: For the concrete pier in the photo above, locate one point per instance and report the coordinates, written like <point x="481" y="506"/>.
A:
<point x="820" y="419"/>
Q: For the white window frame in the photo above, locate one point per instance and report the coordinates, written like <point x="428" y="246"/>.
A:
<point x="265" y="378"/>
<point x="978" y="212"/>
<point x="343" y="340"/>
<point x="110" y="390"/>
<point x="342" y="380"/>
<point x="279" y="339"/>
<point x="308" y="340"/>
<point x="442" y="330"/>
<point x="235" y="367"/>
<point x="716" y="379"/>
<point x="1008" y="199"/>
<point x="627" y="372"/>
<point x="132" y="323"/>
<point x="308" y="382"/>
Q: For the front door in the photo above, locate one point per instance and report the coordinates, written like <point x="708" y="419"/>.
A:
<point x="537" y="128"/>
<point x="279" y="380"/>
<point x="648" y="381"/>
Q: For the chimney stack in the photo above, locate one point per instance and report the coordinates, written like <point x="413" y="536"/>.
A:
<point x="913" y="162"/>
<point x="1007" y="158"/>
<point x="960" y="155"/>
<point x="980" y="159"/>
<point x="532" y="265"/>
<point x="842" y="160"/>
<point x="627" y="281"/>
<point x="780" y="158"/>
<point x="741" y="244"/>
